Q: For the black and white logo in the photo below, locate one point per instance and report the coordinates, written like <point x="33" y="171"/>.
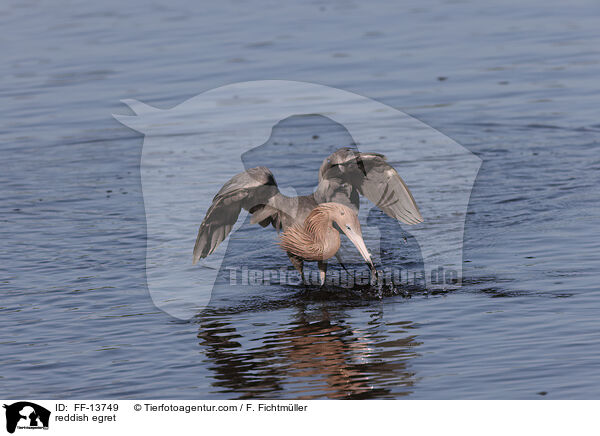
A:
<point x="26" y="415"/>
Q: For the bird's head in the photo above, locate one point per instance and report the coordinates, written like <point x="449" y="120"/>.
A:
<point x="346" y="220"/>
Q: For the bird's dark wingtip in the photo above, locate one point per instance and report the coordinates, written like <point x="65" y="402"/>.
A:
<point x="418" y="220"/>
<point x="197" y="257"/>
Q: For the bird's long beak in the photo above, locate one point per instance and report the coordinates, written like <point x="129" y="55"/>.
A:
<point x="359" y="243"/>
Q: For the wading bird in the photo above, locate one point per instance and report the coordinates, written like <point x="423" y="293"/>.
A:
<point x="308" y="221"/>
<point x="318" y="238"/>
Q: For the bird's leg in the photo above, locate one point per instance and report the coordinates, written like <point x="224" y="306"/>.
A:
<point x="339" y="259"/>
<point x="322" y="271"/>
<point x="374" y="276"/>
<point x="299" y="265"/>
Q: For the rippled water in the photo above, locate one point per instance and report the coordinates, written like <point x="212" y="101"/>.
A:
<point x="516" y="83"/>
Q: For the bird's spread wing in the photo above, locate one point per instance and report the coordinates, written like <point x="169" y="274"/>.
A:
<point x="373" y="177"/>
<point x="250" y="190"/>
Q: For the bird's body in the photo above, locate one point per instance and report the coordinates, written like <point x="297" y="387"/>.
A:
<point x="308" y="221"/>
<point x="317" y="240"/>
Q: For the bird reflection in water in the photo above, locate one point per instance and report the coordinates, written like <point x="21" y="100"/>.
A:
<point x="317" y="354"/>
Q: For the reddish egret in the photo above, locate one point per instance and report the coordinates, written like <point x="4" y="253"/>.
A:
<point x="317" y="239"/>
<point x="342" y="177"/>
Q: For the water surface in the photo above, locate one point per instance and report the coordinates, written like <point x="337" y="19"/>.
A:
<point x="516" y="83"/>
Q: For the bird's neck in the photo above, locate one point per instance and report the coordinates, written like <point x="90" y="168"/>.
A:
<point x="315" y="239"/>
<point x="319" y="225"/>
<point x="317" y="222"/>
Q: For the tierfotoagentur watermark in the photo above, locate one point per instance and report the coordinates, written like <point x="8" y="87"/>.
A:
<point x="343" y="278"/>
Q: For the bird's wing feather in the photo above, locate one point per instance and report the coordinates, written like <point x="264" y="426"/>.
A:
<point x="249" y="190"/>
<point x="377" y="180"/>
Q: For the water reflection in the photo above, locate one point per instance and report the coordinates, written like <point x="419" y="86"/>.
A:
<point x="317" y="353"/>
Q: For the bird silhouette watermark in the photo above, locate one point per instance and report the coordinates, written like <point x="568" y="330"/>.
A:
<point x="408" y="184"/>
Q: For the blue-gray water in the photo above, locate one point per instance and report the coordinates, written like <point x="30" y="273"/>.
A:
<point x="514" y="82"/>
